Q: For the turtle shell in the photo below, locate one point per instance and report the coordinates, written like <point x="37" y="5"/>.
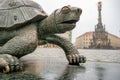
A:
<point x="14" y="13"/>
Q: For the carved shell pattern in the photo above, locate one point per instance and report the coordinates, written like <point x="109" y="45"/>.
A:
<point x="15" y="13"/>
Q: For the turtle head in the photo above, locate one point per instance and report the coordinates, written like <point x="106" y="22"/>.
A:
<point x="65" y="18"/>
<point x="61" y="20"/>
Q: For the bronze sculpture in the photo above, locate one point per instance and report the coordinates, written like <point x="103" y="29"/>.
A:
<point x="24" y="25"/>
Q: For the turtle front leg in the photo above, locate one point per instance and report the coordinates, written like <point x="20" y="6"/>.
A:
<point x="9" y="63"/>
<point x="71" y="52"/>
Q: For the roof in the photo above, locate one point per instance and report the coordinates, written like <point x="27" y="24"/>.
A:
<point x="114" y="35"/>
<point x="90" y="32"/>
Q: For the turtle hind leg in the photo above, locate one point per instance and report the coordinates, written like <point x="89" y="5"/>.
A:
<point x="9" y="63"/>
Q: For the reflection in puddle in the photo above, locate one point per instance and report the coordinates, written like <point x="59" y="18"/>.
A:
<point x="100" y="72"/>
<point x="54" y="69"/>
<point x="71" y="72"/>
<point x="49" y="69"/>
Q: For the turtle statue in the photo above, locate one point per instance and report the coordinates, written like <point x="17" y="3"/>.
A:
<point x="24" y="25"/>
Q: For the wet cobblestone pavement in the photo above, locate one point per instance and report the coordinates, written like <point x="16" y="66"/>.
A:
<point x="52" y="65"/>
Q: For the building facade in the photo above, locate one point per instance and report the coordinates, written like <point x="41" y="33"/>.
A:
<point x="85" y="40"/>
<point x="114" y="40"/>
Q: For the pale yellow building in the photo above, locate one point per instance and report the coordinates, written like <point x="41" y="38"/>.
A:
<point x="85" y="40"/>
<point x="115" y="41"/>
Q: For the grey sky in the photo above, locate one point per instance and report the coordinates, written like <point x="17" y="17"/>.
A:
<point x="110" y="14"/>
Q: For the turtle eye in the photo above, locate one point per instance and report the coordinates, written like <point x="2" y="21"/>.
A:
<point x="65" y="10"/>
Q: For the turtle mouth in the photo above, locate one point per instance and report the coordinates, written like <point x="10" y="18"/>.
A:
<point x="69" y="22"/>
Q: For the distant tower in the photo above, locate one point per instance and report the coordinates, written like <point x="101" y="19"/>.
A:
<point x="99" y="12"/>
<point x="100" y="36"/>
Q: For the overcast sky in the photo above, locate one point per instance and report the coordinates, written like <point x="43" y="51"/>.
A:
<point x="110" y="14"/>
